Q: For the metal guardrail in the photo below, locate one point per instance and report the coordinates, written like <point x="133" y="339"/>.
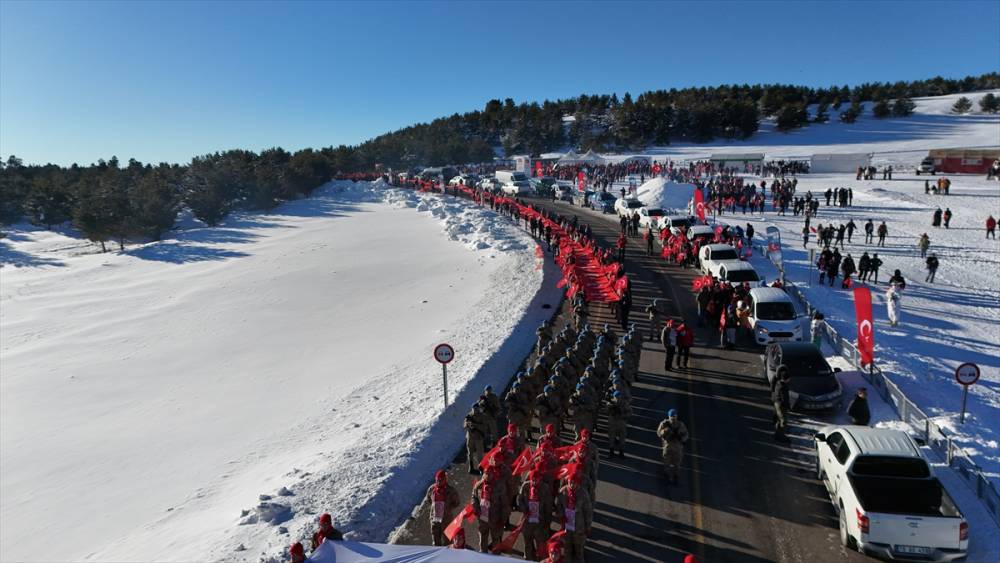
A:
<point x="908" y="411"/>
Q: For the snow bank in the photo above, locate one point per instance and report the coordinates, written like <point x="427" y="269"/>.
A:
<point x="206" y="396"/>
<point x="659" y="192"/>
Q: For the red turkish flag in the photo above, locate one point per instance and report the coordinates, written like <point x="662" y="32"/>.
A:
<point x="866" y="328"/>
<point x="699" y="204"/>
<point x="465" y="514"/>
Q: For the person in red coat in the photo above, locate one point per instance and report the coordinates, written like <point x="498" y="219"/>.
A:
<point x="991" y="227"/>
<point x="297" y="553"/>
<point x="685" y="340"/>
<point x="326" y="531"/>
<point x="621" y="247"/>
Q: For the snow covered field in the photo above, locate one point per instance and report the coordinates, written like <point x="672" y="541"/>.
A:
<point x="156" y="398"/>
<point x="954" y="320"/>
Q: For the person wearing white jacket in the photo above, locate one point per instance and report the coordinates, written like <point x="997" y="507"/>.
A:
<point x="816" y="329"/>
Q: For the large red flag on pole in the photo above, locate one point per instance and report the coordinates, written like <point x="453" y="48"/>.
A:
<point x="699" y="204"/>
<point x="866" y="330"/>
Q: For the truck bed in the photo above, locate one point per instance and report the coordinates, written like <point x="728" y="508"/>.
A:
<point x="896" y="495"/>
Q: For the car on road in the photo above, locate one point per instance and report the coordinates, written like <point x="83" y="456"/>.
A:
<point x="675" y="222"/>
<point x="582" y="198"/>
<point x="464" y="179"/>
<point x="518" y="187"/>
<point x="651" y="217"/>
<point x="772" y="316"/>
<point x="702" y="233"/>
<point x="713" y="256"/>
<point x="814" y="385"/>
<point x="889" y="503"/>
<point x="565" y="190"/>
<point x="627" y="206"/>
<point x="602" y="201"/>
<point x="738" y="273"/>
<point x="926" y="166"/>
<point x="543" y="187"/>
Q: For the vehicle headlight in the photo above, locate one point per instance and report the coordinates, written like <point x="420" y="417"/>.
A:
<point x="763" y="329"/>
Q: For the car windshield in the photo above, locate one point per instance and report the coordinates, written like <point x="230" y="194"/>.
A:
<point x="780" y="311"/>
<point x="634" y="204"/>
<point x="680" y="223"/>
<point x="805" y="365"/>
<point x="654" y="212"/>
<point x="607" y="197"/>
<point x="742" y="276"/>
<point x="885" y="466"/>
<point x="725" y="254"/>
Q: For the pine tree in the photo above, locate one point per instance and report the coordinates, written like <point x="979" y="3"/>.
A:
<point x="48" y="200"/>
<point x="881" y="108"/>
<point x="154" y="204"/>
<point x="962" y="105"/>
<point x="821" y="115"/>
<point x="91" y="213"/>
<point x="791" y="116"/>
<point x="989" y="103"/>
<point x="903" y="107"/>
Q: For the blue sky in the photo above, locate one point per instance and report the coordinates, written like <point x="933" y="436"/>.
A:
<point x="81" y="81"/>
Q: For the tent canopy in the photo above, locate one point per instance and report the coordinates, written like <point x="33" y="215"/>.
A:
<point x="358" y="552"/>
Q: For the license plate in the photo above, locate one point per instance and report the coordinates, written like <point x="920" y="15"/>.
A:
<point x="780" y="338"/>
<point x="913" y="550"/>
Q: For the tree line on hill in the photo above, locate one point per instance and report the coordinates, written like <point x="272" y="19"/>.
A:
<point x="110" y="202"/>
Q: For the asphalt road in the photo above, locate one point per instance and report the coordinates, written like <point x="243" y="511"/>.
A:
<point x="742" y="496"/>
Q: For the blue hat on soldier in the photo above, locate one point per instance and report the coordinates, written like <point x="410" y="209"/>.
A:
<point x="672" y="412"/>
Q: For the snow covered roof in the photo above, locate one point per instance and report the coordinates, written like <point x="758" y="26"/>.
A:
<point x="738" y="156"/>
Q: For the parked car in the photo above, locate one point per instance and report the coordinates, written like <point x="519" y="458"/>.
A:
<point x="813" y="386"/>
<point x="926" y="167"/>
<point x="490" y="184"/>
<point x="675" y="222"/>
<point x="603" y="202"/>
<point x="510" y="176"/>
<point x="701" y="233"/>
<point x="772" y="316"/>
<point x="519" y="187"/>
<point x="650" y="217"/>
<point x="543" y="187"/>
<point x="565" y="190"/>
<point x="464" y="179"/>
<point x="713" y="256"/>
<point x="582" y="198"/>
<point x="739" y="272"/>
<point x="890" y="505"/>
<point x="628" y="206"/>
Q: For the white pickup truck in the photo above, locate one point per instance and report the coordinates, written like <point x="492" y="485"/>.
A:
<point x="890" y="504"/>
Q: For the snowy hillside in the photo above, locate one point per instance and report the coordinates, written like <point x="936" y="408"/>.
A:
<point x="150" y="397"/>
<point x="931" y="126"/>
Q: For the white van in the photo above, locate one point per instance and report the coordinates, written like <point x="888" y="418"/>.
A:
<point x="737" y="273"/>
<point x="510" y="176"/>
<point x="773" y="317"/>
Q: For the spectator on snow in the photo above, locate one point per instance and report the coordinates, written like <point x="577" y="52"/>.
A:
<point x="923" y="244"/>
<point x="947" y="217"/>
<point x="816" y="329"/>
<point x="326" y="531"/>
<point x="296" y="553"/>
<point x="897" y="280"/>
<point x="936" y="218"/>
<point x="883" y="231"/>
<point x="892" y="302"/>
<point x="991" y="227"/>
<point x="858" y="409"/>
<point x="876" y="263"/>
<point x="932" y="266"/>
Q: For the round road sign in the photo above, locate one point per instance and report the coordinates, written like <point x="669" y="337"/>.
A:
<point x="444" y="353"/>
<point x="967" y="373"/>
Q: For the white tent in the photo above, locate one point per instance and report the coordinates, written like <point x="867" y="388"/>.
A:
<point x="843" y="162"/>
<point x="358" y="552"/>
<point x="569" y="158"/>
<point x="591" y="157"/>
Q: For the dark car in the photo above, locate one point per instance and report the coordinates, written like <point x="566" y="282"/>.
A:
<point x="603" y="201"/>
<point x="813" y="385"/>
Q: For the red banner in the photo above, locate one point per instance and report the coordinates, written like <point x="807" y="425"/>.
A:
<point x="465" y="514"/>
<point x="699" y="204"/>
<point x="866" y="330"/>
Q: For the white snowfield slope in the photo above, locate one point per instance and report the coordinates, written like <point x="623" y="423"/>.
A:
<point x="932" y="126"/>
<point x="150" y="398"/>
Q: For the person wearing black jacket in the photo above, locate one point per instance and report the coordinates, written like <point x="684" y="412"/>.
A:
<point x="782" y="402"/>
<point x="858" y="409"/>
<point x="932" y="266"/>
